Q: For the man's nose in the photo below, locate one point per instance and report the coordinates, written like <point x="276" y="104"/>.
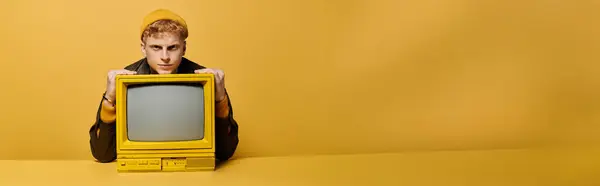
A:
<point x="165" y="56"/>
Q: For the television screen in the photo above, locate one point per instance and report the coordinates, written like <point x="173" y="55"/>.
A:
<point x="164" y="112"/>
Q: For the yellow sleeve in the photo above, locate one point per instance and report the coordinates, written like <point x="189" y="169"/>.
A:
<point x="107" y="113"/>
<point x="222" y="108"/>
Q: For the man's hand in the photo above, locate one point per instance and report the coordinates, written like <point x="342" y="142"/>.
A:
<point x="219" y="81"/>
<point x="110" y="82"/>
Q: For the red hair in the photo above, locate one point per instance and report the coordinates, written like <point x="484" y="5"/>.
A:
<point x="164" y="26"/>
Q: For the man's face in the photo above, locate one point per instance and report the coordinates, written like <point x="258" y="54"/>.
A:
<point x="164" y="52"/>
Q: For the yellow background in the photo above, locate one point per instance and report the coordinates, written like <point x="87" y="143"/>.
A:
<point x="313" y="76"/>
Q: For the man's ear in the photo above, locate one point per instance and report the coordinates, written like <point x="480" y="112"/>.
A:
<point x="184" y="47"/>
<point x="143" y="48"/>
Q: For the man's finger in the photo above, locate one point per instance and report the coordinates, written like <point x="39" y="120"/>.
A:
<point x="218" y="75"/>
<point x="205" y="70"/>
<point x="126" y="73"/>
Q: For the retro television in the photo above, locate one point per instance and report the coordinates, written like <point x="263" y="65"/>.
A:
<point x="165" y="122"/>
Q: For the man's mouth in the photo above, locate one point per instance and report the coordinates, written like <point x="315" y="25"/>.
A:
<point x="165" y="65"/>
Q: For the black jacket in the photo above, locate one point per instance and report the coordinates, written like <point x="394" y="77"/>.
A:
<point x="103" y="145"/>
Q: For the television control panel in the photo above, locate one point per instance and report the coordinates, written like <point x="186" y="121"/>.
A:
<point x="164" y="164"/>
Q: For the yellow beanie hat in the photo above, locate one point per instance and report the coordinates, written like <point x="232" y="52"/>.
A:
<point x="159" y="15"/>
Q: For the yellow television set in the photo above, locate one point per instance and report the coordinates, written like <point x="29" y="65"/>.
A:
<point x="165" y="122"/>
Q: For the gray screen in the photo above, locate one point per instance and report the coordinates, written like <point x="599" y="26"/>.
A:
<point x="165" y="112"/>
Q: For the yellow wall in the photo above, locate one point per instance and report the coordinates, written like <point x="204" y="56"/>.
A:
<point x="320" y="76"/>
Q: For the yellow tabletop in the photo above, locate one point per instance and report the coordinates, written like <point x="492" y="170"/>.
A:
<point x="451" y="168"/>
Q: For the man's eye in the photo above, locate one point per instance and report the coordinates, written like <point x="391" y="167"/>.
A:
<point x="156" y="47"/>
<point x="172" y="48"/>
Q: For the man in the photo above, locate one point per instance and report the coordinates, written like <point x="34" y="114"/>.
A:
<point x="163" y="44"/>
